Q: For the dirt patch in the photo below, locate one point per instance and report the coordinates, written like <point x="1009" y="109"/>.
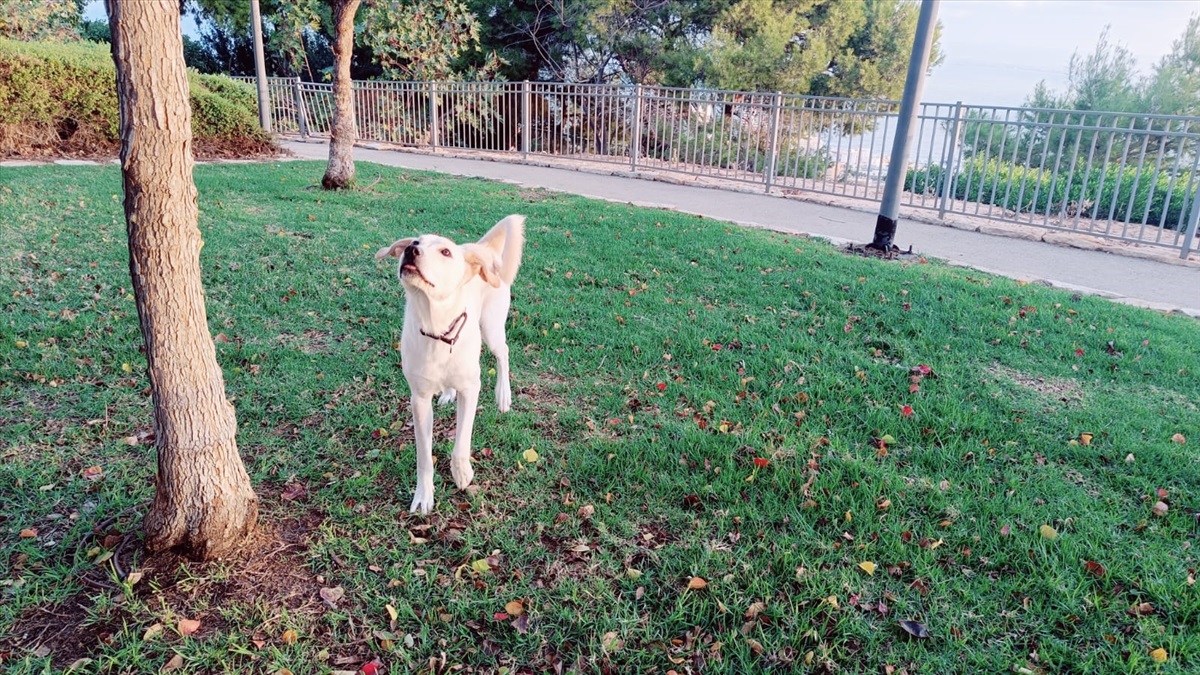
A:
<point x="894" y="253"/>
<point x="268" y="570"/>
<point x="1064" y="390"/>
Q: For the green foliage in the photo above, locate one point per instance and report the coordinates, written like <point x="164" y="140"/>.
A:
<point x="40" y="20"/>
<point x="622" y="391"/>
<point x="423" y="40"/>
<point x="1129" y="195"/>
<point x="61" y="99"/>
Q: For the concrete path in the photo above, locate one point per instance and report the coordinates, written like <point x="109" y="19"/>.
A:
<point x="1136" y="281"/>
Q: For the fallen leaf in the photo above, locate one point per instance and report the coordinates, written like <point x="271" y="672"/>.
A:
<point x="906" y="411"/>
<point x="292" y="492"/>
<point x="77" y="664"/>
<point x="530" y="455"/>
<point x="1005" y="531"/>
<point x="1085" y="438"/>
<point x="760" y="462"/>
<point x="915" y="629"/>
<point x="188" y="626"/>
<point x="521" y="623"/>
<point x="1162" y="494"/>
<point x="514" y="608"/>
<point x="1160" y="509"/>
<point x="93" y="473"/>
<point x="28" y="533"/>
<point x="392" y="613"/>
<point x="289" y="637"/>
<point x="1048" y="532"/>
<point x="611" y="642"/>
<point x="833" y="601"/>
<point x="586" y="512"/>
<point x="1159" y="655"/>
<point x="481" y="565"/>
<point x="331" y="596"/>
<point x="132" y="578"/>
<point x="697" y="583"/>
<point x="868" y="567"/>
<point x="1094" y="568"/>
<point x="756" y="608"/>
<point x="152" y="632"/>
<point x="1179" y="438"/>
<point x="175" y="662"/>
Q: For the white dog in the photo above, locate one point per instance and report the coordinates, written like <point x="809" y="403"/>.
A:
<point x="455" y="298"/>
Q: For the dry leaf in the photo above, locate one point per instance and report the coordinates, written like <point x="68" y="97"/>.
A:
<point x="188" y="626"/>
<point x="1160" y="509"/>
<point x="1179" y="438"/>
<point x="93" y="473"/>
<point x="915" y="629"/>
<point x="697" y="584"/>
<point x="530" y="455"/>
<point x="152" y="632"/>
<point x="29" y="533"/>
<point x="331" y="596"/>
<point x="833" y="601"/>
<point x="1095" y="568"/>
<point x="610" y="642"/>
<point x="481" y="565"/>
<point x="392" y="614"/>
<point x="868" y="567"/>
<point x="586" y="512"/>
<point x="1159" y="655"/>
<point x="756" y="609"/>
<point x="132" y="578"/>
<point x="514" y="608"/>
<point x="289" y="637"/>
<point x="175" y="662"/>
<point x="1085" y="438"/>
<point x="1048" y="532"/>
<point x="77" y="664"/>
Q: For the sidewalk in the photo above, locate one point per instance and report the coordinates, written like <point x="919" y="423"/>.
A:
<point x="1135" y="281"/>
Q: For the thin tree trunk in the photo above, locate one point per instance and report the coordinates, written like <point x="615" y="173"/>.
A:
<point x="203" y="502"/>
<point x="340" y="172"/>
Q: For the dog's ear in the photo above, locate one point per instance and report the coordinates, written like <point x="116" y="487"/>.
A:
<point x="395" y="250"/>
<point x="483" y="262"/>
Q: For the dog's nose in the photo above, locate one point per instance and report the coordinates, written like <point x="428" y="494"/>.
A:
<point x="411" y="251"/>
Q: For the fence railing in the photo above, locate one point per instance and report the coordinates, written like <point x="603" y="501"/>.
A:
<point x="1115" y="175"/>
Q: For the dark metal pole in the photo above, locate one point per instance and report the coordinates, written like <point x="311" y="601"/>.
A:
<point x="260" y="67"/>
<point x="918" y="63"/>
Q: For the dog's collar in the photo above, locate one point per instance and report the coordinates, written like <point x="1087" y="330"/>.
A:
<point x="456" y="327"/>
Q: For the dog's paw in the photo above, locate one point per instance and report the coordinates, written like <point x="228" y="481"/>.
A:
<point x="422" y="501"/>
<point x="462" y="472"/>
<point x="503" y="396"/>
<point x="448" y="396"/>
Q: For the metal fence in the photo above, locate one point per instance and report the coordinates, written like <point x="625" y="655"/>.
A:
<point x="1116" y="175"/>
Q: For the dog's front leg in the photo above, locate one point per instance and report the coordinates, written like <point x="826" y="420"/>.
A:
<point x="422" y="410"/>
<point x="460" y="459"/>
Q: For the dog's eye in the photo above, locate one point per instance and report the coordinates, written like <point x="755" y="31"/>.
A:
<point x="446" y="252"/>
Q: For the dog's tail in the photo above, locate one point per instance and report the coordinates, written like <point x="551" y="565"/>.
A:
<point x="507" y="240"/>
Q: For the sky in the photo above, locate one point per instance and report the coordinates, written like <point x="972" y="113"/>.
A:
<point x="998" y="50"/>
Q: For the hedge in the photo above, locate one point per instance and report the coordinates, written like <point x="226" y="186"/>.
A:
<point x="60" y="100"/>
<point x="1092" y="194"/>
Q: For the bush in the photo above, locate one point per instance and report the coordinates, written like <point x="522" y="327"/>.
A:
<point x="1096" y="194"/>
<point x="61" y="100"/>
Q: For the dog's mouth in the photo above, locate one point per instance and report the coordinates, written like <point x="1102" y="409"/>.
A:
<point x="410" y="270"/>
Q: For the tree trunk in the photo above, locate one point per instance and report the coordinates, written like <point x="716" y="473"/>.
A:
<point x="203" y="502"/>
<point x="340" y="172"/>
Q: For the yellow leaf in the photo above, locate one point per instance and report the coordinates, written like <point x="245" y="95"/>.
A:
<point x="868" y="567"/>
<point x="514" y="608"/>
<point x="697" y="583"/>
<point x="21" y="344"/>
<point x="1159" y="655"/>
<point x="530" y="455"/>
<point x="833" y="601"/>
<point x="392" y="613"/>
<point x="1085" y="438"/>
<point x="126" y="367"/>
<point x="481" y="565"/>
<point x="1048" y="532"/>
<point x="289" y="637"/>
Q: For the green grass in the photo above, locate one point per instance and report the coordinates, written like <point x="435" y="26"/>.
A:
<point x="620" y="387"/>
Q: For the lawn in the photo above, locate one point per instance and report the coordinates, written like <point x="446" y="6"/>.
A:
<point x="750" y="451"/>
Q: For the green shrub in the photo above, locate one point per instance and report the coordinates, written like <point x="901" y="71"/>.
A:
<point x="1101" y="193"/>
<point x="60" y="100"/>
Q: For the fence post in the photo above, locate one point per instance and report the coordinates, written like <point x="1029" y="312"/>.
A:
<point x="301" y="111"/>
<point x="773" y="151"/>
<point x="433" y="116"/>
<point x="526" y="123"/>
<point x="1190" y="236"/>
<point x="948" y="165"/>
<point x="635" y="147"/>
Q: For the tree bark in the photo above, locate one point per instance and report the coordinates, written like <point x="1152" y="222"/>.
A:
<point x="203" y="503"/>
<point x="343" y="132"/>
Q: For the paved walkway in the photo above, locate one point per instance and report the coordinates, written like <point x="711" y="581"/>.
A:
<point x="1136" y="281"/>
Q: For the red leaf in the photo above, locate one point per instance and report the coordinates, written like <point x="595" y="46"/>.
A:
<point x="1004" y="531"/>
<point x="292" y="492"/>
<point x="716" y="346"/>
<point x="923" y="369"/>
<point x="761" y="462"/>
<point x="1095" y="568"/>
<point x="662" y="386"/>
<point x="500" y="616"/>
<point x="371" y="668"/>
<point x="906" y="411"/>
<point x="1078" y="352"/>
